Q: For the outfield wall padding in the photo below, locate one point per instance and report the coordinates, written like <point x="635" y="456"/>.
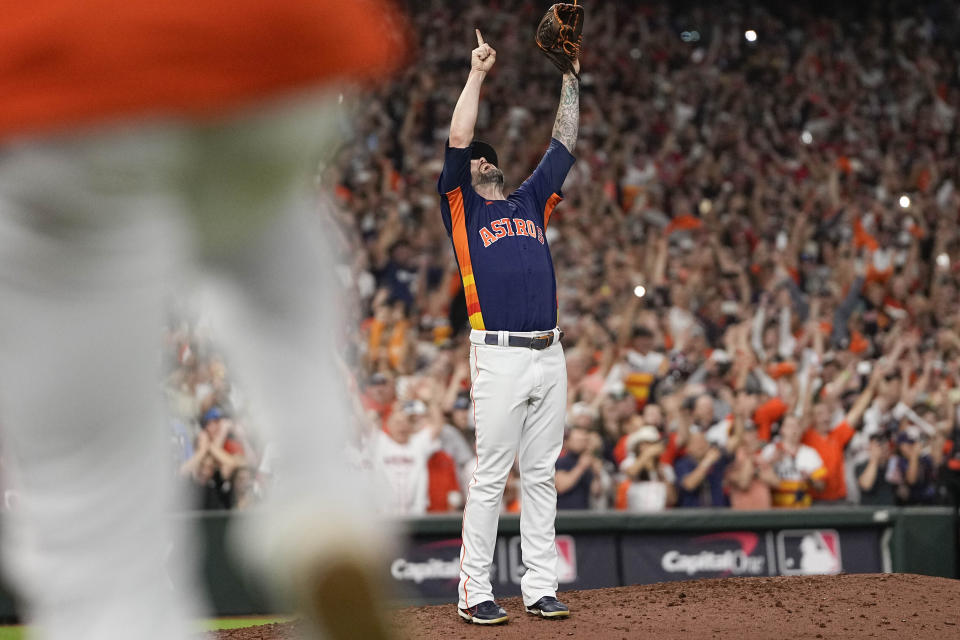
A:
<point x="598" y="550"/>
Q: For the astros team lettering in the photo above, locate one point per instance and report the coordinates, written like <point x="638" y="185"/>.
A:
<point x="504" y="227"/>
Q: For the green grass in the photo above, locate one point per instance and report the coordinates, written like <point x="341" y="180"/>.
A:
<point x="233" y="623"/>
<point x="213" y="624"/>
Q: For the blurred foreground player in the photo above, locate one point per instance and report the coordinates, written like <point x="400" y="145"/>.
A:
<point x="131" y="134"/>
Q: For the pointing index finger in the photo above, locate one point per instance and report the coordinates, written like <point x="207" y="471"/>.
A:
<point x="479" y="37"/>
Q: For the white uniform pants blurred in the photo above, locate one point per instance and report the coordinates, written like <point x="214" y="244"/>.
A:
<point x="94" y="233"/>
<point x="519" y="400"/>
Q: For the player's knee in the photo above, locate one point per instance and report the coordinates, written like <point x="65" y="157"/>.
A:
<point x="488" y="493"/>
<point x="538" y="475"/>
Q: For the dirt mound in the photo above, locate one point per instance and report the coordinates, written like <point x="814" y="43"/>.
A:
<point x="847" y="606"/>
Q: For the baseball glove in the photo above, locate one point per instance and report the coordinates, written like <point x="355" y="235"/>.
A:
<point x="560" y="34"/>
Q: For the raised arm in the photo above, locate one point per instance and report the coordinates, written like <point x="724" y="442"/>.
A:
<point x="567" y="124"/>
<point x="465" y="113"/>
<point x="864" y="399"/>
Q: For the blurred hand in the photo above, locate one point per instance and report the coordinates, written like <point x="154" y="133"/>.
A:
<point x="483" y="57"/>
<point x="597" y="465"/>
<point x="713" y="454"/>
<point x="427" y="390"/>
<point x="586" y="459"/>
<point x="655" y="450"/>
<point x="881" y="367"/>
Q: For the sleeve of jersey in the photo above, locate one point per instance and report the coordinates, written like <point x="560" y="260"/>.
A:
<point x="456" y="169"/>
<point x="671" y="452"/>
<point x="544" y="185"/>
<point x="565" y="463"/>
<point x="766" y="414"/>
<point x="843" y="432"/>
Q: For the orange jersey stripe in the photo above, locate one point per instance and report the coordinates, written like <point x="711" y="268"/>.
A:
<point x="552" y="203"/>
<point x="65" y="63"/>
<point x="462" y="248"/>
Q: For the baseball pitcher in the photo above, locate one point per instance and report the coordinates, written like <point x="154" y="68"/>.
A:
<point x="518" y="372"/>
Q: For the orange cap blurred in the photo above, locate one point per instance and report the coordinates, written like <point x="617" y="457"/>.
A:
<point x="780" y="369"/>
<point x="65" y="63"/>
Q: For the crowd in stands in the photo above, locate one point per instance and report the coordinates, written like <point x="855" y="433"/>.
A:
<point x="757" y="258"/>
<point x="220" y="460"/>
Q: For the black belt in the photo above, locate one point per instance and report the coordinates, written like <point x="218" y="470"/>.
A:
<point x="539" y="342"/>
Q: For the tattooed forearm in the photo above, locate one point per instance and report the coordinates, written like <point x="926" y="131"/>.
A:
<point x="568" y="115"/>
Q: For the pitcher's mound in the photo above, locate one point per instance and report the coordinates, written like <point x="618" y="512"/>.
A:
<point x="847" y="606"/>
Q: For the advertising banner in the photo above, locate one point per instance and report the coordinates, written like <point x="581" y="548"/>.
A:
<point x="660" y="558"/>
<point x="829" y="551"/>
<point x="429" y="567"/>
<point x="688" y="556"/>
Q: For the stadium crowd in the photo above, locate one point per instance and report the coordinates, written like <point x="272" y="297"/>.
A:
<point x="757" y="259"/>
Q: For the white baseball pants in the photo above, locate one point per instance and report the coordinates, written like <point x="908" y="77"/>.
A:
<point x="519" y="403"/>
<point x="94" y="232"/>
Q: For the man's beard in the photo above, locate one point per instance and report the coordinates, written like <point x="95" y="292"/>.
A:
<point x="491" y="177"/>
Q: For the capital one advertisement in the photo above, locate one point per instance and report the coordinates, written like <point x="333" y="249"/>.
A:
<point x="660" y="558"/>
<point x="429" y="567"/>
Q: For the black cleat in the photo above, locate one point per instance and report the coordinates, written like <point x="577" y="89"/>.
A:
<point x="488" y="612"/>
<point x="549" y="607"/>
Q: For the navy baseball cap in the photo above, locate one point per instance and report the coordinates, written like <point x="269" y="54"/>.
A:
<point x="481" y="149"/>
<point x="214" y="413"/>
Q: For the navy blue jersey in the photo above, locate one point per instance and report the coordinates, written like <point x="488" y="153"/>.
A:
<point x="577" y="496"/>
<point x="501" y="245"/>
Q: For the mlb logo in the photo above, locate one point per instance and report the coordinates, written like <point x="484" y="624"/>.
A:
<point x="567" y="564"/>
<point x="807" y="552"/>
